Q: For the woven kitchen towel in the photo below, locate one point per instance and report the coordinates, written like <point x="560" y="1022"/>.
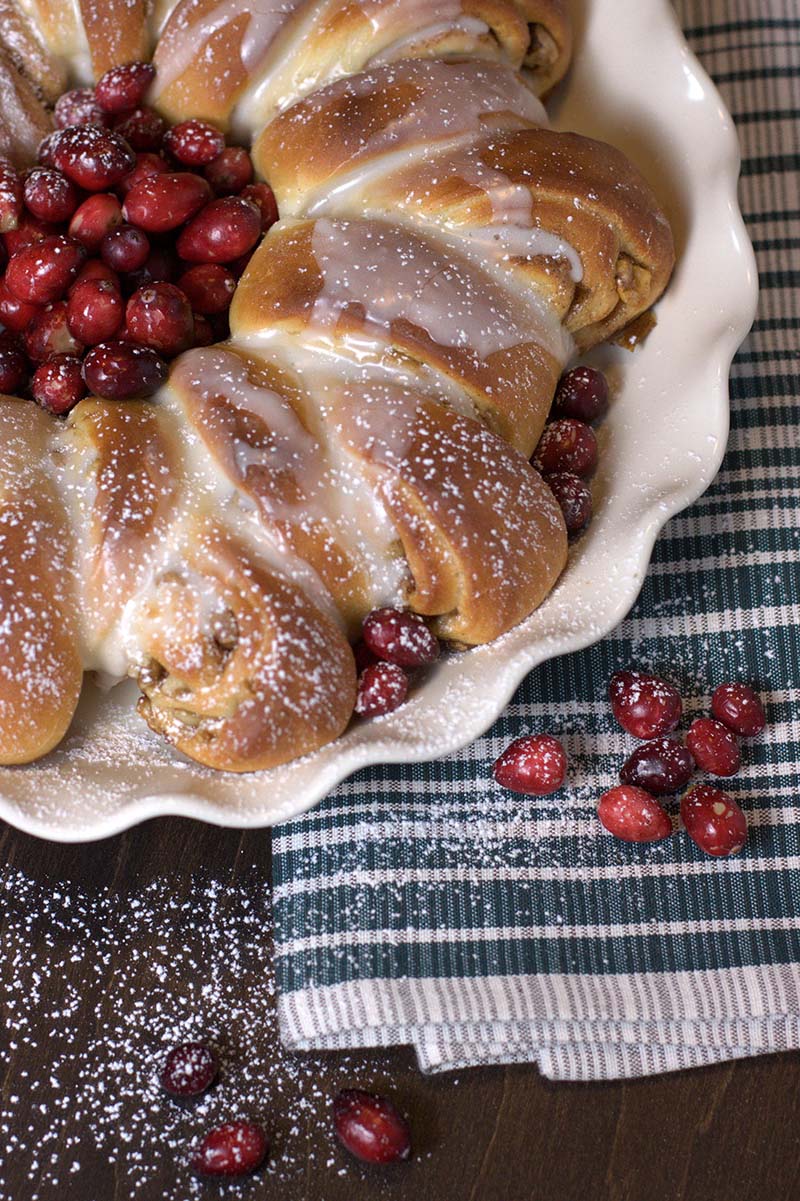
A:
<point x="423" y="905"/>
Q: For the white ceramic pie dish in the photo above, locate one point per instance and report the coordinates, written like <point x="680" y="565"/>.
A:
<point x="635" y="84"/>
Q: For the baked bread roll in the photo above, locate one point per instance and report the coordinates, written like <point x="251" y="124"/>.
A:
<point x="363" y="437"/>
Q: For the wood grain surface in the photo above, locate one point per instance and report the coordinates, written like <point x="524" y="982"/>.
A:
<point x="489" y="1135"/>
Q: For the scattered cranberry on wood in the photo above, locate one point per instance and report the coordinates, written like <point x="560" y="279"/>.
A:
<point x="582" y="393"/>
<point x="633" y="815"/>
<point x="566" y="445"/>
<point x="644" y="705"/>
<point x="714" y="821"/>
<point x="189" y="1070"/>
<point x="370" y="1127"/>
<point x="714" y="747"/>
<point x="400" y="637"/>
<point x="382" y="688"/>
<point x="535" y="765"/>
<point x="232" y="1149"/>
<point x="661" y="767"/>
<point x="739" y="707"/>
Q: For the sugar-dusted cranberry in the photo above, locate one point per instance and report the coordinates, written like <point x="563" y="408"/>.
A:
<point x="125" y="248"/>
<point x="194" y="143"/>
<point x="203" y="333"/>
<point x="163" y="202"/>
<point x="10" y="196"/>
<point x="713" y="820"/>
<point x="633" y="815"/>
<point x="147" y="164"/>
<point x="124" y="87"/>
<point x="48" y="333"/>
<point x="57" y="384"/>
<point x="13" y="365"/>
<point x="262" y="195"/>
<point x="78" y="107"/>
<point x="223" y="230"/>
<point x="370" y="1127"/>
<point x="644" y="705"/>
<point x="209" y="286"/>
<point x="142" y="129"/>
<point x="49" y="195"/>
<point x="120" y="371"/>
<point x="232" y="1149"/>
<point x="93" y="219"/>
<point x="15" y="314"/>
<point x="94" y="311"/>
<point x="44" y="270"/>
<point x="574" y="498"/>
<point x="29" y="229"/>
<point x="189" y="1070"/>
<point x="94" y="269"/>
<point x="93" y="158"/>
<point x="739" y="707"/>
<point x="661" y="767"/>
<point x="714" y="747"/>
<point x="535" y="765"/>
<point x="160" y="316"/>
<point x="46" y="154"/>
<point x="382" y="688"/>
<point x="583" y="394"/>
<point x="400" y="637"/>
<point x="230" y="171"/>
<point x="566" y="445"/>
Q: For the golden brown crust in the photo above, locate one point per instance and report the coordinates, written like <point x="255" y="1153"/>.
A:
<point x="24" y="120"/>
<point x="25" y="48"/>
<point x="117" y="31"/>
<point x="550" y="42"/>
<point x="40" y="662"/>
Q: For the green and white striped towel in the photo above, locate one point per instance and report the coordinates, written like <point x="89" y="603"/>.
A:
<point x="423" y="905"/>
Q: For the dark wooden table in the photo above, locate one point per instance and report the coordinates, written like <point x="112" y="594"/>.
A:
<point x="92" y="948"/>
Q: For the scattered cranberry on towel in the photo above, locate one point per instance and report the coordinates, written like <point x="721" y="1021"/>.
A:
<point x="370" y="1127"/>
<point x="644" y="705"/>
<point x="714" y="747"/>
<point x="738" y="706"/>
<point x="535" y="765"/>
<point x="661" y="767"/>
<point x="714" y="821"/>
<point x="633" y="815"/>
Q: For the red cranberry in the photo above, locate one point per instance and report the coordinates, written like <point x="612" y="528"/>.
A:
<point x="189" y="1070"/>
<point x="633" y="815"/>
<point x="43" y="271"/>
<point x="49" y="195"/>
<point x="262" y="195"/>
<point x="125" y="248"/>
<point x="738" y="706"/>
<point x="194" y="143"/>
<point x="94" y="269"/>
<point x="93" y="219"/>
<point x="160" y="316"/>
<point x="230" y="171"/>
<point x="203" y="333"/>
<point x="400" y="637"/>
<point x="644" y="705"/>
<point x="163" y="202"/>
<point x="223" y="230"/>
<point x="10" y="196"/>
<point x="124" y="87"/>
<point x="575" y="499"/>
<point x="57" y="385"/>
<point x="535" y="765"/>
<point x="13" y="367"/>
<point x="120" y="371"/>
<point x="161" y="266"/>
<point x="661" y="767"/>
<point x="94" y="311"/>
<point x="147" y="164"/>
<point x="582" y="394"/>
<point x="714" y="747"/>
<point x="713" y="820"/>
<point x="364" y="657"/>
<point x="29" y="230"/>
<point x="566" y="445"/>
<point x="78" y="107"/>
<point x="93" y="158"/>
<point x="143" y="129"/>
<point x="382" y="688"/>
<point x="209" y="286"/>
<point x="15" y="314"/>
<point x="370" y="1127"/>
<point x="233" y="1149"/>
<point x="48" y="334"/>
<point x="45" y="156"/>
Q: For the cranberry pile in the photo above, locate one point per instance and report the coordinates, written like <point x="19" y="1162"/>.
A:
<point x="650" y="709"/>
<point x="122" y="248"/>
<point x="367" y="1125"/>
<point x="392" y="642"/>
<point x="567" y="452"/>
